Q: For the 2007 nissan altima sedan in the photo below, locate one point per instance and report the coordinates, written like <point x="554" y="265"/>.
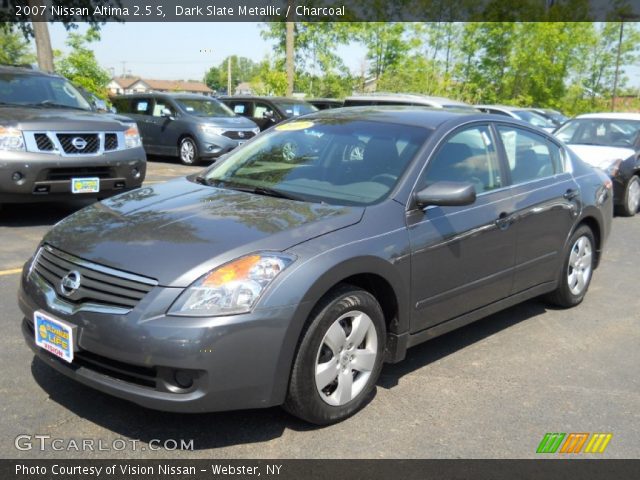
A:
<point x="290" y="271"/>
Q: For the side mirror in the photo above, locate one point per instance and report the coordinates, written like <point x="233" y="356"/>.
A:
<point x="100" y="105"/>
<point x="446" y="194"/>
<point x="166" y="113"/>
<point x="267" y="115"/>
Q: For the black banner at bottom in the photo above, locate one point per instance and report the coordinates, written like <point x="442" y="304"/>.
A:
<point x="547" y="469"/>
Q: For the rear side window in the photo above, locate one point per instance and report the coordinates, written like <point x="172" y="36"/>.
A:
<point x="241" y="108"/>
<point x="530" y="156"/>
<point x="142" y="106"/>
<point x="122" y="105"/>
<point x="468" y="156"/>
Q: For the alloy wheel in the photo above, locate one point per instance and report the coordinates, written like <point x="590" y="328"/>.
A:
<point x="580" y="265"/>
<point x="633" y="196"/>
<point x="187" y="151"/>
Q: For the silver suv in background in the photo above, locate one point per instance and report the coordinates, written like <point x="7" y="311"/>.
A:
<point x="188" y="126"/>
<point x="410" y="99"/>
<point x="54" y="145"/>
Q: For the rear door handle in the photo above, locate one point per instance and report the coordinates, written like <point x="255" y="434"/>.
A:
<point x="504" y="220"/>
<point x="571" y="193"/>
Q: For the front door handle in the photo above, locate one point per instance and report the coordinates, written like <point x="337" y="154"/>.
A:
<point x="571" y="193"/>
<point x="504" y="220"/>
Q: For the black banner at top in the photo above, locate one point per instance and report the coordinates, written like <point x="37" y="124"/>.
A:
<point x="73" y="11"/>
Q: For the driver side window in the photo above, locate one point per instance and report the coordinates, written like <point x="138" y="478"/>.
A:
<point x="468" y="156"/>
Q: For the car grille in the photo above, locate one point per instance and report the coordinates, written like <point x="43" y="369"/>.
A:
<point x="239" y="134"/>
<point x="98" y="284"/>
<point x="92" y="143"/>
<point x="69" y="173"/>
<point x="110" y="142"/>
<point x="43" y="142"/>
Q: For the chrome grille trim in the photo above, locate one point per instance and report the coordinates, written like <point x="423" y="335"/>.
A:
<point x="34" y="140"/>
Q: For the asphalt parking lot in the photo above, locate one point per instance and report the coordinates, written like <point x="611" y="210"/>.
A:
<point x="489" y="390"/>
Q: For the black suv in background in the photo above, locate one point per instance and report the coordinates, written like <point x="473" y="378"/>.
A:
<point x="190" y="127"/>
<point x="54" y="144"/>
<point x="268" y="111"/>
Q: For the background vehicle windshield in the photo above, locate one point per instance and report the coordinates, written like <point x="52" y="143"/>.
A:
<point x="599" y="131"/>
<point x="292" y="109"/>
<point x="204" y="107"/>
<point x="40" y="90"/>
<point x="533" y="118"/>
<point x="339" y="161"/>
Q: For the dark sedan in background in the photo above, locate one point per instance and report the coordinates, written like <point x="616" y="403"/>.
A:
<point x="275" y="278"/>
<point x="190" y="127"/>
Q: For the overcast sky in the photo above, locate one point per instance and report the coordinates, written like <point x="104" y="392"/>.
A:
<point x="180" y="51"/>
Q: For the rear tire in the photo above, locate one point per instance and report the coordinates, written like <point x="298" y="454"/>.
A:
<point x="631" y="197"/>
<point x="339" y="358"/>
<point x="577" y="270"/>
<point x="188" y="152"/>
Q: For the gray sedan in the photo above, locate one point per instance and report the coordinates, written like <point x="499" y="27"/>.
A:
<point x="290" y="272"/>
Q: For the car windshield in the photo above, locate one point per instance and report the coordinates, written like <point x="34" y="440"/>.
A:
<point x="600" y="131"/>
<point x="295" y="109"/>
<point x="204" y="107"/>
<point x="338" y="161"/>
<point x="40" y="91"/>
<point x="533" y="118"/>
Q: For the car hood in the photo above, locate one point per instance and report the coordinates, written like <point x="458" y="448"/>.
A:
<point x="228" y="122"/>
<point x="59" y="119"/>
<point x="596" y="155"/>
<point x="178" y="231"/>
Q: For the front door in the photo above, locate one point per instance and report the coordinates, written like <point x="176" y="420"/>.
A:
<point x="462" y="258"/>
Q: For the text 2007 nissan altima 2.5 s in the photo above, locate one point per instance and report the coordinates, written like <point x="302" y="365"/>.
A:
<point x="287" y="273"/>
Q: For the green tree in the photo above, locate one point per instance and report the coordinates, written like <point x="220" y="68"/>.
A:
<point x="213" y="79"/>
<point x="80" y="65"/>
<point x="14" y="49"/>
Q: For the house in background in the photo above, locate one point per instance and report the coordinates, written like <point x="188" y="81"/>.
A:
<point x="125" y="85"/>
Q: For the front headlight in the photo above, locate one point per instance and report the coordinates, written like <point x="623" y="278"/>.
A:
<point x="11" y="139"/>
<point x="132" y="136"/>
<point x="232" y="288"/>
<point x="211" y="130"/>
<point x="611" y="167"/>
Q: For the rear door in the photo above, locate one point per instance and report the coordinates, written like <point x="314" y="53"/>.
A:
<point x="546" y="203"/>
<point x="141" y="109"/>
<point x="462" y="258"/>
<point x="164" y="132"/>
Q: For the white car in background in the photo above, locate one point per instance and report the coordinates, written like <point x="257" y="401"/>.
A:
<point x="610" y="141"/>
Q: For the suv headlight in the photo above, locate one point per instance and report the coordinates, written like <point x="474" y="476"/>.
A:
<point x="211" y="130"/>
<point x="11" y="139"/>
<point x="232" y="288"/>
<point x="132" y="136"/>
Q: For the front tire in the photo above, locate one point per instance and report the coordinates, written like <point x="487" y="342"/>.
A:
<point x="188" y="151"/>
<point x="631" y="197"/>
<point x="339" y="358"/>
<point x="577" y="270"/>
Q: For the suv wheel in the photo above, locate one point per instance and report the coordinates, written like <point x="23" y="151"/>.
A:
<point x="339" y="358"/>
<point x="577" y="269"/>
<point x="188" y="151"/>
<point x="631" y="197"/>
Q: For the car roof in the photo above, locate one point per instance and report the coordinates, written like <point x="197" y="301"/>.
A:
<point x="324" y="100"/>
<point x="258" y="97"/>
<point x="406" y="97"/>
<point x="166" y="95"/>
<point x="417" y="116"/>
<point x="506" y="108"/>
<point x="612" y="116"/>
<point x="26" y="71"/>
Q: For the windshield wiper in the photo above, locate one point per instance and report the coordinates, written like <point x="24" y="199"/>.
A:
<point x="258" y="190"/>
<point x="50" y="104"/>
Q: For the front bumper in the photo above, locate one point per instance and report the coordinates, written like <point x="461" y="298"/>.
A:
<point x="234" y="362"/>
<point x="47" y="177"/>
<point x="213" y="146"/>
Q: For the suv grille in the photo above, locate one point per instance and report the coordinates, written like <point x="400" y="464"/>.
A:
<point x="98" y="284"/>
<point x="239" y="134"/>
<point x="69" y="173"/>
<point x="69" y="142"/>
<point x="110" y="141"/>
<point x="43" y="142"/>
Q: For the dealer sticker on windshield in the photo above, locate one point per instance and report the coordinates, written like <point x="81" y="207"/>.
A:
<point x="54" y="335"/>
<point x="291" y="126"/>
<point x="85" y="185"/>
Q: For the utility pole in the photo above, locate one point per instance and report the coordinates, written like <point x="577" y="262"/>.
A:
<point x="615" y="77"/>
<point x="289" y="46"/>
<point x="229" y="75"/>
